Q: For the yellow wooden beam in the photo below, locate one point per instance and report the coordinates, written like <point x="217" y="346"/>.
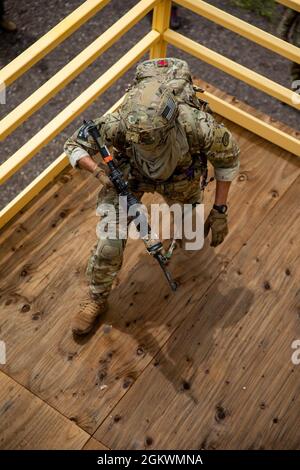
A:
<point x="229" y="66"/>
<point x="243" y="28"/>
<point x="39" y="140"/>
<point x="39" y="183"/>
<point x="73" y="68"/>
<point x="253" y="124"/>
<point x="293" y="4"/>
<point x="50" y="40"/>
<point x="161" y="22"/>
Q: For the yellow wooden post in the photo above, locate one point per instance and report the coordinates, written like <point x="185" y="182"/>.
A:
<point x="160" y="23"/>
<point x="293" y="4"/>
<point x="50" y="40"/>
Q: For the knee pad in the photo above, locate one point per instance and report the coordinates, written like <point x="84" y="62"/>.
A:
<point x="109" y="249"/>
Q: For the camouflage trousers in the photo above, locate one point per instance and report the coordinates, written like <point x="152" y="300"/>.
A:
<point x="107" y="256"/>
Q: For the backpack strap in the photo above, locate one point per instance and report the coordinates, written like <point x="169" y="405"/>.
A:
<point x="188" y="119"/>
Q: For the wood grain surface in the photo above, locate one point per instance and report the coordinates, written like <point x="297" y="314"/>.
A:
<point x="207" y="367"/>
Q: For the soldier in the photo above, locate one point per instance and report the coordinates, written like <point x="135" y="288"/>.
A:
<point x="289" y="30"/>
<point x="6" y="24"/>
<point x="161" y="138"/>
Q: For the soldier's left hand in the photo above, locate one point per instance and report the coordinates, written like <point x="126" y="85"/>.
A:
<point x="218" y="225"/>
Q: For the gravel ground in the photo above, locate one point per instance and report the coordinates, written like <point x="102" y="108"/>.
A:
<point x="34" y="18"/>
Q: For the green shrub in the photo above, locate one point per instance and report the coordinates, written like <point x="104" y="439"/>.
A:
<point x="262" y="7"/>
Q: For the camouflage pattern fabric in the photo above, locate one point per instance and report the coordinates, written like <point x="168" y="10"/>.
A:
<point x="107" y="256"/>
<point x="201" y="129"/>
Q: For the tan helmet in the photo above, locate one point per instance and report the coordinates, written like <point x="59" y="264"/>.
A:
<point x="148" y="112"/>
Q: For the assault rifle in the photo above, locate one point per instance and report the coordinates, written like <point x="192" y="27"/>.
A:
<point x="154" y="247"/>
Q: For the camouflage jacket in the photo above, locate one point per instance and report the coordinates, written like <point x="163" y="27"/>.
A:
<point x="289" y="26"/>
<point x="214" y="140"/>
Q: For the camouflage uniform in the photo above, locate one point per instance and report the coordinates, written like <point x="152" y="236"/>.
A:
<point x="183" y="186"/>
<point x="289" y="30"/>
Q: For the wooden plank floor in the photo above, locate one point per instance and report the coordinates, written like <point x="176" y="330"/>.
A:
<point x="208" y="367"/>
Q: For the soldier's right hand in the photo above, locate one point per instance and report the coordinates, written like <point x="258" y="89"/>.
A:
<point x="106" y="181"/>
<point x="102" y="177"/>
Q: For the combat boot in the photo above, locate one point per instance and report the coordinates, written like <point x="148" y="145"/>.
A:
<point x="87" y="316"/>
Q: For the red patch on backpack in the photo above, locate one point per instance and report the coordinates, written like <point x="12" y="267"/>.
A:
<point x="162" y="63"/>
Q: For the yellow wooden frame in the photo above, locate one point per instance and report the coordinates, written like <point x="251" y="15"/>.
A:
<point x="65" y="75"/>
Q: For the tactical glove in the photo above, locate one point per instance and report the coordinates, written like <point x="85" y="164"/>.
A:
<point x="218" y="224"/>
<point x="102" y="177"/>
